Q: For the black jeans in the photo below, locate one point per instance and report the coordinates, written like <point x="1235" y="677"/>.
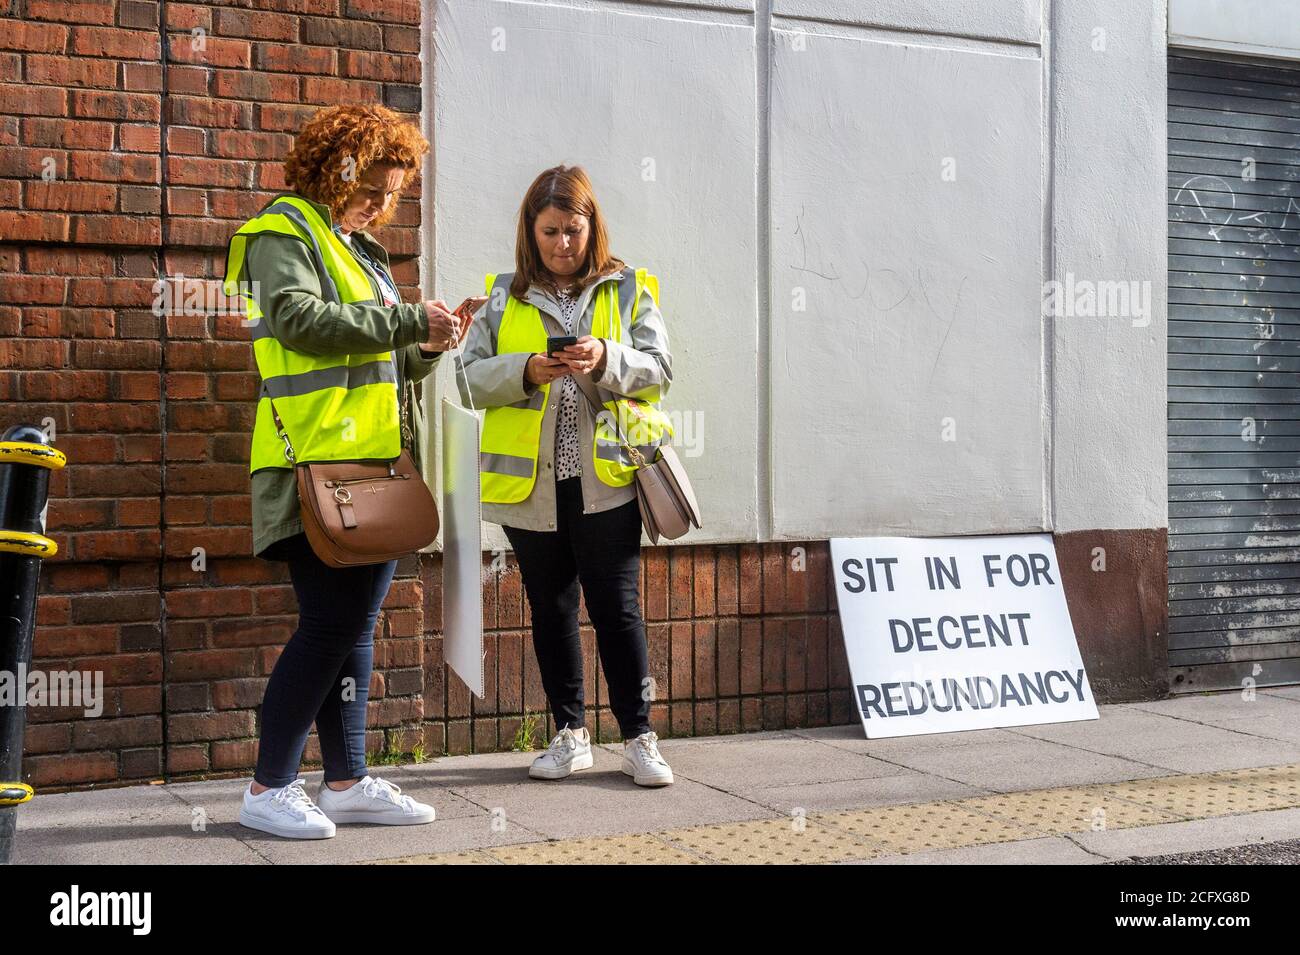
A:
<point x="603" y="551"/>
<point x="323" y="675"/>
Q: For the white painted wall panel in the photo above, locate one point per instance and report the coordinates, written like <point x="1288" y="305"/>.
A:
<point x="922" y="295"/>
<point x="615" y="90"/>
<point x="1109" y="215"/>
<point x="1014" y="20"/>
<point x="1248" y="27"/>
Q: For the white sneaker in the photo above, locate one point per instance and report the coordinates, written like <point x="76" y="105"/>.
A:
<point x="372" y="799"/>
<point x="641" y="761"/>
<point x="285" y="811"/>
<point x="568" y="751"/>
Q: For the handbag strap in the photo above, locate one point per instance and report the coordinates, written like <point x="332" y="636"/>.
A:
<point x="404" y="406"/>
<point x="458" y="363"/>
<point x="284" y="435"/>
<point x="586" y="385"/>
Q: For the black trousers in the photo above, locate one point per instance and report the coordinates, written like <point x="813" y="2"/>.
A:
<point x="323" y="675"/>
<point x="602" y="552"/>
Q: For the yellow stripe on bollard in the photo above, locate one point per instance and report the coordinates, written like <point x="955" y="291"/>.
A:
<point x="30" y="545"/>
<point x="25" y="452"/>
<point x="15" y="794"/>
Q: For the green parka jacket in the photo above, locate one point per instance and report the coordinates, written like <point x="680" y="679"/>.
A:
<point x="289" y="295"/>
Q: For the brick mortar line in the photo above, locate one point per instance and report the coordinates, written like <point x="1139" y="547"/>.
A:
<point x="491" y="717"/>
<point x="785" y="616"/>
<point x="164" y="212"/>
<point x="675" y="701"/>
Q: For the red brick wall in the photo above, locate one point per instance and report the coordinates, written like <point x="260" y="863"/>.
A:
<point x="121" y="165"/>
<point x="741" y="637"/>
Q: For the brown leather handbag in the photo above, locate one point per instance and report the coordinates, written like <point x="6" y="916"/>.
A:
<point x="663" y="491"/>
<point x="357" y="513"/>
<point x="665" y="495"/>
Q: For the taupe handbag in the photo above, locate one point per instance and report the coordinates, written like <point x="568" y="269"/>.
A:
<point x="663" y="491"/>
<point x="356" y="513"/>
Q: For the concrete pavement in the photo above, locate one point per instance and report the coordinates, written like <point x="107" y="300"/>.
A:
<point x="1187" y="774"/>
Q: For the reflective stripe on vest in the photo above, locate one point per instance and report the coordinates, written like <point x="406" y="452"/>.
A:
<point x="512" y="433"/>
<point x="333" y="407"/>
<point x="641" y="421"/>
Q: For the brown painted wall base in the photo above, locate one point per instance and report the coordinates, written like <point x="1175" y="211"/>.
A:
<point x="1120" y="613"/>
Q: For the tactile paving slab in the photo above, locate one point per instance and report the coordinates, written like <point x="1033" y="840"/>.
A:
<point x="1072" y="809"/>
<point x="639" y="849"/>
<point x="1281" y="780"/>
<point x="1198" y="797"/>
<point x="921" y="826"/>
<point x="473" y="857"/>
<point x="772" y="842"/>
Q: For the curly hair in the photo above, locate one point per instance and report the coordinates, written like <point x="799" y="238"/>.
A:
<point x="338" y="144"/>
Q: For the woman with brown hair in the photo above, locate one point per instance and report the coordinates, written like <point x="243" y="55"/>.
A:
<point x="554" y="472"/>
<point x="339" y="354"/>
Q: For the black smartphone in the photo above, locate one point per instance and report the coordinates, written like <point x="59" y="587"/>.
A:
<point x="559" y="343"/>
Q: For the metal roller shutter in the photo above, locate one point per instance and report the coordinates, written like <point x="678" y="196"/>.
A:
<point x="1234" y="360"/>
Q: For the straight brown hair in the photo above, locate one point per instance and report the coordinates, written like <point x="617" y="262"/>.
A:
<point x="569" y="190"/>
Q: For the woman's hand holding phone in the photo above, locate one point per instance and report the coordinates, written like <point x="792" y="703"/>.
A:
<point x="587" y="355"/>
<point x="541" y="370"/>
<point x="443" y="326"/>
<point x="465" y="311"/>
<point x="448" y="328"/>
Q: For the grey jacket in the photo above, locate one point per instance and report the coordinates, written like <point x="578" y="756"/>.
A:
<point x="637" y="367"/>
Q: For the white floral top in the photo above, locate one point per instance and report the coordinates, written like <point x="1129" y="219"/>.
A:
<point x="568" y="459"/>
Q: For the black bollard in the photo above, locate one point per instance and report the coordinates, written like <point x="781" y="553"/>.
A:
<point x="26" y="459"/>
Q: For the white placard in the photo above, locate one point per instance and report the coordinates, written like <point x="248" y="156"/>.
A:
<point x="958" y="633"/>
<point x="462" y="562"/>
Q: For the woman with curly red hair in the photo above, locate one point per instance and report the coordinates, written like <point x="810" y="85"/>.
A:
<point x="339" y="353"/>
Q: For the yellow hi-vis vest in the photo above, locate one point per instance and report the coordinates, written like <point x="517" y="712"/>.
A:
<point x="333" y="407"/>
<point x="512" y="433"/>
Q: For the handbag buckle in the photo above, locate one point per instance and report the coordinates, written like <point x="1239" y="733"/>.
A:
<point x="288" y="448"/>
<point x="342" y="495"/>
